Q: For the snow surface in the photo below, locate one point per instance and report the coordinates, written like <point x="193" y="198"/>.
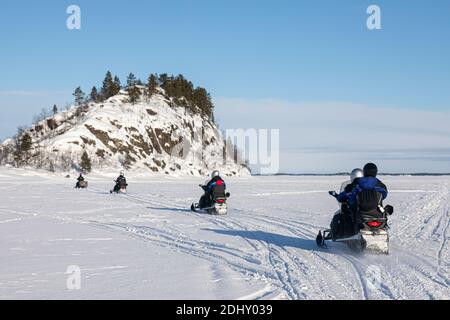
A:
<point x="148" y="245"/>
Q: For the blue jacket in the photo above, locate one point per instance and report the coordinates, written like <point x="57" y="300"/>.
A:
<point x="365" y="183"/>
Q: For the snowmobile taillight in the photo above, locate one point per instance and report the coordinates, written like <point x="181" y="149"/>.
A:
<point x="220" y="201"/>
<point x="374" y="224"/>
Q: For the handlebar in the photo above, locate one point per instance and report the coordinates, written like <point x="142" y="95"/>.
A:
<point x="333" y="193"/>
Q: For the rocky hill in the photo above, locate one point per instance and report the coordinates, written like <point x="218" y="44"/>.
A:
<point x="157" y="134"/>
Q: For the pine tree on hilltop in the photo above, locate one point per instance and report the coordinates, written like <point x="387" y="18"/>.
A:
<point x="134" y="93"/>
<point x="79" y="96"/>
<point x="210" y="107"/>
<point x="108" y="86"/>
<point x="163" y="78"/>
<point x="151" y="85"/>
<point x="55" y="109"/>
<point x="86" y="164"/>
<point x="202" y="99"/>
<point x="94" y="95"/>
<point x="116" y="86"/>
<point x="108" y="81"/>
<point x="131" y="80"/>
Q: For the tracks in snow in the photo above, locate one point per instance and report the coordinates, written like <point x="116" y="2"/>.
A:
<point x="274" y="250"/>
<point x="281" y="251"/>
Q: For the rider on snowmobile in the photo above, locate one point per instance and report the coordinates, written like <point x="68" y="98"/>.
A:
<point x="368" y="182"/>
<point x="342" y="222"/>
<point x="120" y="180"/>
<point x="215" y="177"/>
<point x="205" y="201"/>
<point x="79" y="179"/>
<point x="349" y="185"/>
<point x="363" y="225"/>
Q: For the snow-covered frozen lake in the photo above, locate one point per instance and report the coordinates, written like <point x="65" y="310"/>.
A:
<point x="148" y="245"/>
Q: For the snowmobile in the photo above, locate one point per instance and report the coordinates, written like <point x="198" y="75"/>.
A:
<point x="120" y="188"/>
<point x="214" y="203"/>
<point x="369" y="224"/>
<point x="82" y="184"/>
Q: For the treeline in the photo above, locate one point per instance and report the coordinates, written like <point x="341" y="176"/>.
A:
<point x="185" y="94"/>
<point x="176" y="88"/>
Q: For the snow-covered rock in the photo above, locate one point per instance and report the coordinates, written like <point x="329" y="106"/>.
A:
<point x="153" y="136"/>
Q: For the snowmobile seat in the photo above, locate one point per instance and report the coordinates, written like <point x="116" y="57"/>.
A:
<point x="369" y="202"/>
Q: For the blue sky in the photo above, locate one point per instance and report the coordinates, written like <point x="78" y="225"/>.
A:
<point x="292" y="52"/>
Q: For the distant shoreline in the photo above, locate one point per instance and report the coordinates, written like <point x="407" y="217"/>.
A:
<point x="420" y="174"/>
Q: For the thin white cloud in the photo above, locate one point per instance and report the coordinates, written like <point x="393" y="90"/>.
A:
<point x="342" y="133"/>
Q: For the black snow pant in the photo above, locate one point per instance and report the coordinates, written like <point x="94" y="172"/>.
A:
<point x="205" y="201"/>
<point x="342" y="226"/>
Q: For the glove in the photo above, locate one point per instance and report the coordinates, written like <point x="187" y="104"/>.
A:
<point x="332" y="193"/>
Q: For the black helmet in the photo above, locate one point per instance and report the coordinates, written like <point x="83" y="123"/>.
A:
<point x="370" y="170"/>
